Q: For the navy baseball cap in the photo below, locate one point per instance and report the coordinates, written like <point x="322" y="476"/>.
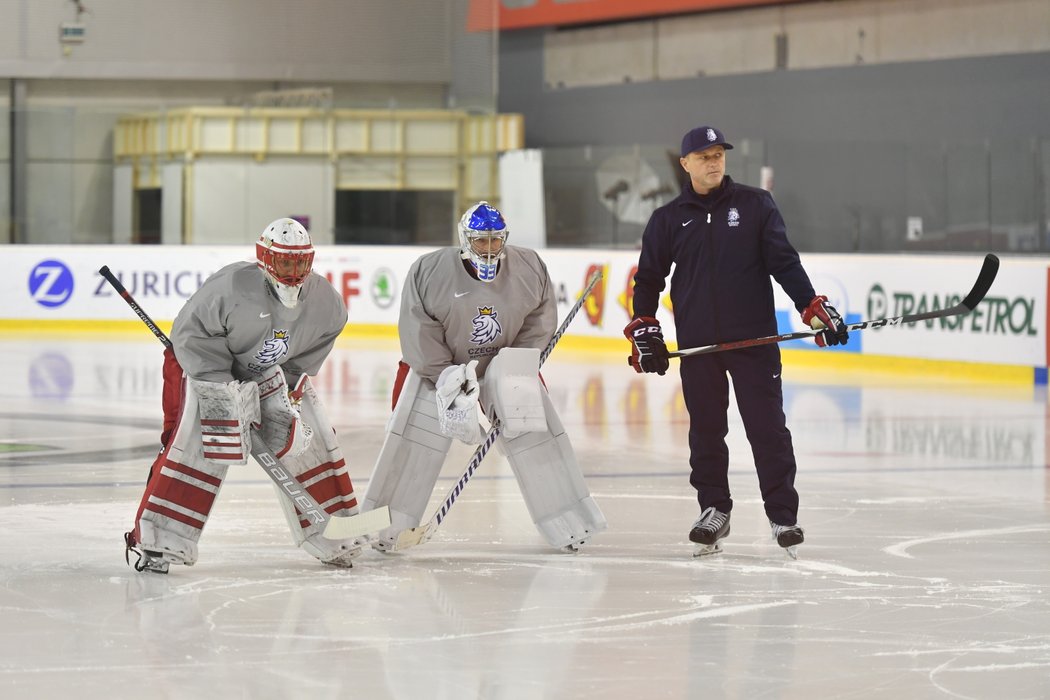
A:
<point x="703" y="137"/>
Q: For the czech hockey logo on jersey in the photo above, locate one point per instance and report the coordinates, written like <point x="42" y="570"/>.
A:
<point x="734" y="217"/>
<point x="273" y="350"/>
<point x="486" y="326"/>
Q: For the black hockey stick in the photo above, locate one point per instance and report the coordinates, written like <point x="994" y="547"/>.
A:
<point x="336" y="527"/>
<point x="980" y="288"/>
<point x="418" y="535"/>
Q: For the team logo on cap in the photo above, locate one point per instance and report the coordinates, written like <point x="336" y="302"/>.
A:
<point x="711" y="135"/>
<point x="734" y="217"/>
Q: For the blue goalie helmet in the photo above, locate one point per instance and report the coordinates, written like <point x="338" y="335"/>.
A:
<point x="483" y="238"/>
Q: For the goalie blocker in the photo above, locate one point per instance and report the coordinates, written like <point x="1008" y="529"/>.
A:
<point x="533" y="440"/>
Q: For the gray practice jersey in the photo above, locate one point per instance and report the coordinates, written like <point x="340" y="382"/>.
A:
<point x="233" y="327"/>
<point x="448" y="317"/>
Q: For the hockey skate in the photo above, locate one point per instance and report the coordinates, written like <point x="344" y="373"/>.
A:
<point x="788" y="537"/>
<point x="336" y="554"/>
<point x="708" y="532"/>
<point x="345" y="561"/>
<point x="148" y="560"/>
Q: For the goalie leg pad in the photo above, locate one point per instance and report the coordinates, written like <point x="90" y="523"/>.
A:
<point x="409" y="462"/>
<point x="227" y="411"/>
<point x="552" y="484"/>
<point x="180" y="493"/>
<point x="321" y="470"/>
<point x="512" y="392"/>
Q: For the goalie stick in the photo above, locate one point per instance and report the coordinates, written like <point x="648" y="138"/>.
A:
<point x="336" y="527"/>
<point x="418" y="535"/>
<point x="968" y="304"/>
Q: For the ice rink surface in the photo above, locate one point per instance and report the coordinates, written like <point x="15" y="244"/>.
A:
<point x="925" y="572"/>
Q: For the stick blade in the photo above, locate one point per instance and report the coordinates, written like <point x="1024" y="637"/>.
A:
<point x="983" y="283"/>
<point x="346" y="527"/>
<point x="411" y="537"/>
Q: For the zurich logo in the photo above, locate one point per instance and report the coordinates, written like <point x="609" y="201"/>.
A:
<point x="51" y="283"/>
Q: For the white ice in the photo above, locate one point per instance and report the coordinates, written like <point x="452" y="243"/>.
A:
<point x="925" y="572"/>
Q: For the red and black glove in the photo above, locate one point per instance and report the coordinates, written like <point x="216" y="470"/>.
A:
<point x="648" y="352"/>
<point x="820" y="314"/>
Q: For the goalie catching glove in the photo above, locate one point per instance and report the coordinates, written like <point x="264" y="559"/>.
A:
<point x="283" y="429"/>
<point x="820" y="314"/>
<point x="648" y="351"/>
<point x="457" y="393"/>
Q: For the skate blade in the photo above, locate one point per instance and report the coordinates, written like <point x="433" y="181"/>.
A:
<point x="792" y="551"/>
<point x="156" y="567"/>
<point x="346" y="527"/>
<point x="339" y="564"/>
<point x="704" y="550"/>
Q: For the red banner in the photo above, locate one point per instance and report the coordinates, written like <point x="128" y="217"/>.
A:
<point x="485" y="15"/>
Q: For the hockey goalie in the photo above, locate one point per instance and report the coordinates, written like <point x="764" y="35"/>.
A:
<point x="242" y="351"/>
<point x="473" y="321"/>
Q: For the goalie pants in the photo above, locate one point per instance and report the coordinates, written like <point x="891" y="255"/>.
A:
<point x="759" y="395"/>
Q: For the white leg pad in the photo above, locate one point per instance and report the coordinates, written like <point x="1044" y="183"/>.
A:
<point x="172" y="546"/>
<point x="180" y="497"/>
<point x="409" y="462"/>
<point x="512" y="391"/>
<point x="552" y="484"/>
<point x="322" y="470"/>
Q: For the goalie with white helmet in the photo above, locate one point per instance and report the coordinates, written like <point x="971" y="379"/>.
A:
<point x="286" y="256"/>
<point x="242" y="351"/>
<point x="474" y="319"/>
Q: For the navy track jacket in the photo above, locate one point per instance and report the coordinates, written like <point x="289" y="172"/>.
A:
<point x="725" y="247"/>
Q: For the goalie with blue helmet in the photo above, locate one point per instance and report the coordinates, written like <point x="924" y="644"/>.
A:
<point x="473" y="321"/>
<point x="482" y="239"/>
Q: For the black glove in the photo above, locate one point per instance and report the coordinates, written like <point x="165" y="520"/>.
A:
<point x="648" y="353"/>
<point x="821" y="314"/>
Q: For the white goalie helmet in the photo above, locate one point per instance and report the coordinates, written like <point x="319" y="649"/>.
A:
<point x="286" y="256"/>
<point x="483" y="238"/>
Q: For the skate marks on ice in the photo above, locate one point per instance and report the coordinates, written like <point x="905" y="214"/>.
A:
<point x="901" y="549"/>
<point x="256" y="615"/>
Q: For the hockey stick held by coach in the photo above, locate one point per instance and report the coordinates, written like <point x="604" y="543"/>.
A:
<point x="237" y="368"/>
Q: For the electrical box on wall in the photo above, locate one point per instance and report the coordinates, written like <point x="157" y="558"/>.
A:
<point x="72" y="32"/>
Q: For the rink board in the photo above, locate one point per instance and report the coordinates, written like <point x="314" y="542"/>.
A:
<point x="59" y="287"/>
